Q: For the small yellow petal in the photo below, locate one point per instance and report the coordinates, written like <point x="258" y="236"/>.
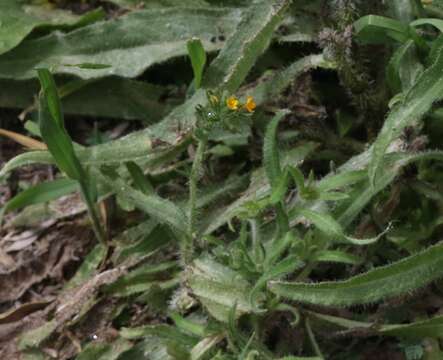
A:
<point x="250" y="104"/>
<point x="232" y="103"/>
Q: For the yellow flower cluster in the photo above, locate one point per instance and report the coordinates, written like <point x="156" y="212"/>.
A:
<point x="234" y="104"/>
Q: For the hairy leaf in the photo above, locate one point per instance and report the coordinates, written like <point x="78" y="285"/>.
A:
<point x="398" y="278"/>
<point x="219" y="288"/>
<point x="40" y="193"/>
<point x="271" y="157"/>
<point x="418" y="100"/>
<point x="242" y="49"/>
<point x="197" y="55"/>
<point x="18" y="19"/>
<point x="130" y="43"/>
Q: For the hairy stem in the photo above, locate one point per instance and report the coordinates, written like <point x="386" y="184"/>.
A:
<point x="93" y="213"/>
<point x="193" y="182"/>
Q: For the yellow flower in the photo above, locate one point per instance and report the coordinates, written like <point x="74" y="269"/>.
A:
<point x="232" y="103"/>
<point x="250" y="104"/>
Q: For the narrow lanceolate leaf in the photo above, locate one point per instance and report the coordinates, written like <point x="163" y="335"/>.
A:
<point x="432" y="327"/>
<point x="418" y="100"/>
<point x="392" y="166"/>
<point x="332" y="228"/>
<point x="40" y="193"/>
<point x="129" y="44"/>
<point x="87" y="269"/>
<point x="53" y="130"/>
<point x="28" y="158"/>
<point x="403" y="68"/>
<point x="374" y="29"/>
<point x="162" y="210"/>
<point x="336" y="256"/>
<point x="437" y="23"/>
<point x="275" y="85"/>
<point x="197" y="55"/>
<point x="249" y="41"/>
<point x="141" y="182"/>
<point x="160" y="331"/>
<point x="271" y="157"/>
<point x="402" y="277"/>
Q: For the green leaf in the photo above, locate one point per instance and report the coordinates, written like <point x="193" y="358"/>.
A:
<point x="197" y="55"/>
<point x="401" y="277"/>
<point x="218" y="288"/>
<point x="271" y="157"/>
<point x="90" y="66"/>
<point x="18" y="19"/>
<point x="143" y="278"/>
<point x="88" y="267"/>
<point x="437" y="23"/>
<point x="332" y="228"/>
<point x="403" y="68"/>
<point x="104" y="351"/>
<point x="432" y="327"/>
<point x="160" y="209"/>
<point x="242" y="49"/>
<point x="53" y="130"/>
<point x="280" y="188"/>
<point x="118" y="98"/>
<point x="364" y="193"/>
<point x="259" y="187"/>
<point x="161" y="331"/>
<point x="27" y="158"/>
<point x="273" y="86"/>
<point x="140" y="180"/>
<point x="418" y="100"/>
<point x="129" y="44"/>
<point x="374" y="29"/>
<point x="40" y="193"/>
<point x="34" y="337"/>
<point x="149" y="346"/>
<point x="337" y="257"/>
<point x="187" y="325"/>
<point x="204" y="346"/>
<point x="283" y="267"/>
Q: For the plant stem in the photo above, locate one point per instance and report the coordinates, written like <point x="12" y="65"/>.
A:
<point x="312" y="339"/>
<point x="193" y="182"/>
<point x="93" y="213"/>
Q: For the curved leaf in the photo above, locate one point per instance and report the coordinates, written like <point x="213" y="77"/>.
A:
<point x="398" y="278"/>
<point x="418" y="100"/>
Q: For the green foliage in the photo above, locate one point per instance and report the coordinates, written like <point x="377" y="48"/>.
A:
<point x="398" y="278"/>
<point x="197" y="55"/>
<point x="414" y="105"/>
<point x="18" y="19"/>
<point x="109" y="43"/>
<point x="40" y="193"/>
<point x="257" y="177"/>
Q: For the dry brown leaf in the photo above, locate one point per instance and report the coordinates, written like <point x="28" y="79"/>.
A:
<point x="26" y="141"/>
